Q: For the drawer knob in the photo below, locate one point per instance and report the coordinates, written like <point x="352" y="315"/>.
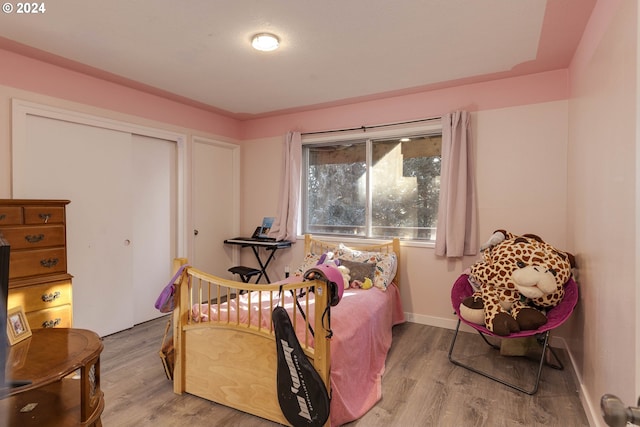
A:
<point x="34" y="238"/>
<point x="51" y="323"/>
<point x="51" y="297"/>
<point x="45" y="217"/>
<point x="2" y="216"/>
<point x="49" y="263"/>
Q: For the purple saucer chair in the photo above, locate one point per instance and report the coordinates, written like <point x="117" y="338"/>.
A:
<point x="555" y="317"/>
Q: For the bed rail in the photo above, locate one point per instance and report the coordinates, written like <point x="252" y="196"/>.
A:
<point x="228" y="299"/>
<point x="205" y="302"/>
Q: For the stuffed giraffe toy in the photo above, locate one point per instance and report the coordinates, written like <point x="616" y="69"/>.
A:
<point x="518" y="279"/>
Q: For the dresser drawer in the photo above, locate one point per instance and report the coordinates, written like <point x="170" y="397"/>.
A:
<point x="38" y="261"/>
<point x="38" y="279"/>
<point x="38" y="297"/>
<point x="56" y="317"/>
<point x="10" y="215"/>
<point x="43" y="215"/>
<point x="41" y="236"/>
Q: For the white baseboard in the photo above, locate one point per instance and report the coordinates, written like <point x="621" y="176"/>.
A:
<point x="594" y="415"/>
<point x="440" y="322"/>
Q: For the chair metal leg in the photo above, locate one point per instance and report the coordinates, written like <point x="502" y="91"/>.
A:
<point x="558" y="363"/>
<point x="544" y="340"/>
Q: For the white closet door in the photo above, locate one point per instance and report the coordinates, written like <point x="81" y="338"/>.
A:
<point x="121" y="219"/>
<point x="91" y="167"/>
<point x="154" y="218"/>
<point x="216" y="193"/>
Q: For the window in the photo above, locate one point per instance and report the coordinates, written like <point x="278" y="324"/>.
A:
<point x="382" y="186"/>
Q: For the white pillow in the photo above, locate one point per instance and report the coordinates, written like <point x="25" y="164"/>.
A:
<point x="386" y="264"/>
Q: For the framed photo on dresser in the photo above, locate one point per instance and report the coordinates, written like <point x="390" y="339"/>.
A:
<point x="17" y="325"/>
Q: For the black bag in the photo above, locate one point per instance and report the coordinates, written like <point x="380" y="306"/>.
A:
<point x="302" y="395"/>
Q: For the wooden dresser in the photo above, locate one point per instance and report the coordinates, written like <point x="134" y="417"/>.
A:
<point x="38" y="278"/>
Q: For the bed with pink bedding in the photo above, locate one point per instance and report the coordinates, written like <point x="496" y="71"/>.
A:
<point x="225" y="347"/>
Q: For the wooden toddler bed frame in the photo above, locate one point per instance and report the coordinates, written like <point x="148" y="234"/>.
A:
<point x="231" y="358"/>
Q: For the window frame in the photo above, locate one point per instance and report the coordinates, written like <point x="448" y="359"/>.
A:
<point x="368" y="136"/>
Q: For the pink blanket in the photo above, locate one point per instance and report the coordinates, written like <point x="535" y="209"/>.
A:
<point x="361" y="325"/>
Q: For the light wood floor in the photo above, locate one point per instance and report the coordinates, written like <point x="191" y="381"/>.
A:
<point x="420" y="387"/>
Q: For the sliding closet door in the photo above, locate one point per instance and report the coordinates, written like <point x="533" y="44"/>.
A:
<point x="90" y="166"/>
<point x="154" y="218"/>
<point x="121" y="219"/>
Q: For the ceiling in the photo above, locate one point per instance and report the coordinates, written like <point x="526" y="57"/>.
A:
<point x="332" y="51"/>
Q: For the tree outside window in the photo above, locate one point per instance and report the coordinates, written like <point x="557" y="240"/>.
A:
<point x="376" y="188"/>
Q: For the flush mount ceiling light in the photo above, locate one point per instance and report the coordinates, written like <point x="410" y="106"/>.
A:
<point x="265" y="42"/>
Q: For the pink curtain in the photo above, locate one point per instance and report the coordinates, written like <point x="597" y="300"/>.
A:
<point x="284" y="226"/>
<point x="457" y="212"/>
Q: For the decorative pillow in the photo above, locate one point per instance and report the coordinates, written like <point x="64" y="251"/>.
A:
<point x="385" y="263"/>
<point x="309" y="261"/>
<point x="359" y="270"/>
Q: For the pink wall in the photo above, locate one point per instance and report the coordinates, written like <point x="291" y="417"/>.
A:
<point x="29" y="74"/>
<point x="603" y="205"/>
<point x="36" y="76"/>
<point x="531" y="89"/>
